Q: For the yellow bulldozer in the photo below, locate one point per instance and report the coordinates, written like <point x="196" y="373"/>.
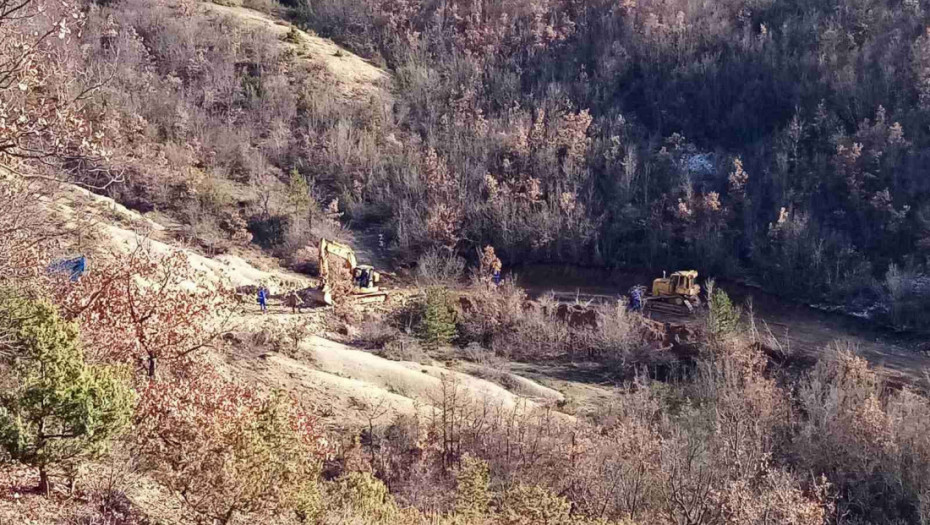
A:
<point x="364" y="279"/>
<point x="677" y="293"/>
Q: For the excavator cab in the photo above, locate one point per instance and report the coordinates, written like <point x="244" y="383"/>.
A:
<point x="366" y="278"/>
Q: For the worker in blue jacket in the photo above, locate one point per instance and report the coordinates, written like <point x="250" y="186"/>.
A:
<point x="636" y="299"/>
<point x="263" y="298"/>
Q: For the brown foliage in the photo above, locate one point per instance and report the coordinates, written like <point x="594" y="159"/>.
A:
<point x="143" y="308"/>
<point x="226" y="450"/>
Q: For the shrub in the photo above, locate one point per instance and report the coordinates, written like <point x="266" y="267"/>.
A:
<point x="56" y="409"/>
<point x="269" y="232"/>
<point x="439" y="267"/>
<point x="471" y="492"/>
<point x="228" y="451"/>
<point x="529" y="504"/>
<point x="292" y="36"/>
<point x="365" y="495"/>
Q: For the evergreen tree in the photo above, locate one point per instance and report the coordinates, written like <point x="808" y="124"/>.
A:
<point x="299" y="195"/>
<point x="55" y="409"/>
<point x="437" y="327"/>
<point x="723" y="318"/>
<point x="472" y="494"/>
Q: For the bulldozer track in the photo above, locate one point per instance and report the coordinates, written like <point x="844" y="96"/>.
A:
<point x="667" y="308"/>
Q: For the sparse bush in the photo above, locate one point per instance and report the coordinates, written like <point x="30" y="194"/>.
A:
<point x="285" y="337"/>
<point x="438" y="267"/>
<point x="292" y="36"/>
<point x="404" y="349"/>
<point x="377" y="334"/>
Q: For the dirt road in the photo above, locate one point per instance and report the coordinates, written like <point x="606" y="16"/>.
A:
<point x="805" y="329"/>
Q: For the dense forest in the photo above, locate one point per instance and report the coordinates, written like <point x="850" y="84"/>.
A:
<point x="779" y="140"/>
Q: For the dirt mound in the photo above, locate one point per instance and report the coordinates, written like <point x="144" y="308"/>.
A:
<point x="683" y="340"/>
<point x="347" y="383"/>
<point x="412" y="380"/>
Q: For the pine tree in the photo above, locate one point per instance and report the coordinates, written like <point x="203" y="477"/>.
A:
<point x="472" y="495"/>
<point x="56" y="408"/>
<point x="299" y="195"/>
<point x="438" y="325"/>
<point x="723" y="318"/>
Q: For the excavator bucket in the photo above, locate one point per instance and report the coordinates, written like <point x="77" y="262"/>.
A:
<point x="317" y="296"/>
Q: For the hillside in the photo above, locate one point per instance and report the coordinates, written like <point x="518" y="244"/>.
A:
<point x="353" y="77"/>
<point x="197" y="153"/>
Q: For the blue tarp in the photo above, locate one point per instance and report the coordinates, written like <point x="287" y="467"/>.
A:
<point x="75" y="267"/>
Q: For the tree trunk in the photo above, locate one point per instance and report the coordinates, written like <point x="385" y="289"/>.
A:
<point x="45" y="487"/>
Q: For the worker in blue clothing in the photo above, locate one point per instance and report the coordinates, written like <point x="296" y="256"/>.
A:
<point x="497" y="277"/>
<point x="636" y="299"/>
<point x="263" y="299"/>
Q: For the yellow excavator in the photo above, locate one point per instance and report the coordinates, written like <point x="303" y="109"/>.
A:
<point x="677" y="293"/>
<point x="364" y="278"/>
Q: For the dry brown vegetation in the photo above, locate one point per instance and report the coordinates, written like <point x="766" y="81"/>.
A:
<point x="206" y="120"/>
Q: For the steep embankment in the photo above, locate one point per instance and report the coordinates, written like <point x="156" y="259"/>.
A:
<point x="101" y="226"/>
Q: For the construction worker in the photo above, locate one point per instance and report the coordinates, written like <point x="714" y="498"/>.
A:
<point x="497" y="277"/>
<point x="293" y="300"/>
<point x="636" y="299"/>
<point x="263" y="299"/>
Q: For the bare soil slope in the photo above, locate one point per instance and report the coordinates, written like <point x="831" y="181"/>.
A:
<point x="342" y="381"/>
<point x="353" y="76"/>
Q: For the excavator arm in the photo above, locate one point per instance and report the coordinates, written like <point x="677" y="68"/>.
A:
<point x="339" y="250"/>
